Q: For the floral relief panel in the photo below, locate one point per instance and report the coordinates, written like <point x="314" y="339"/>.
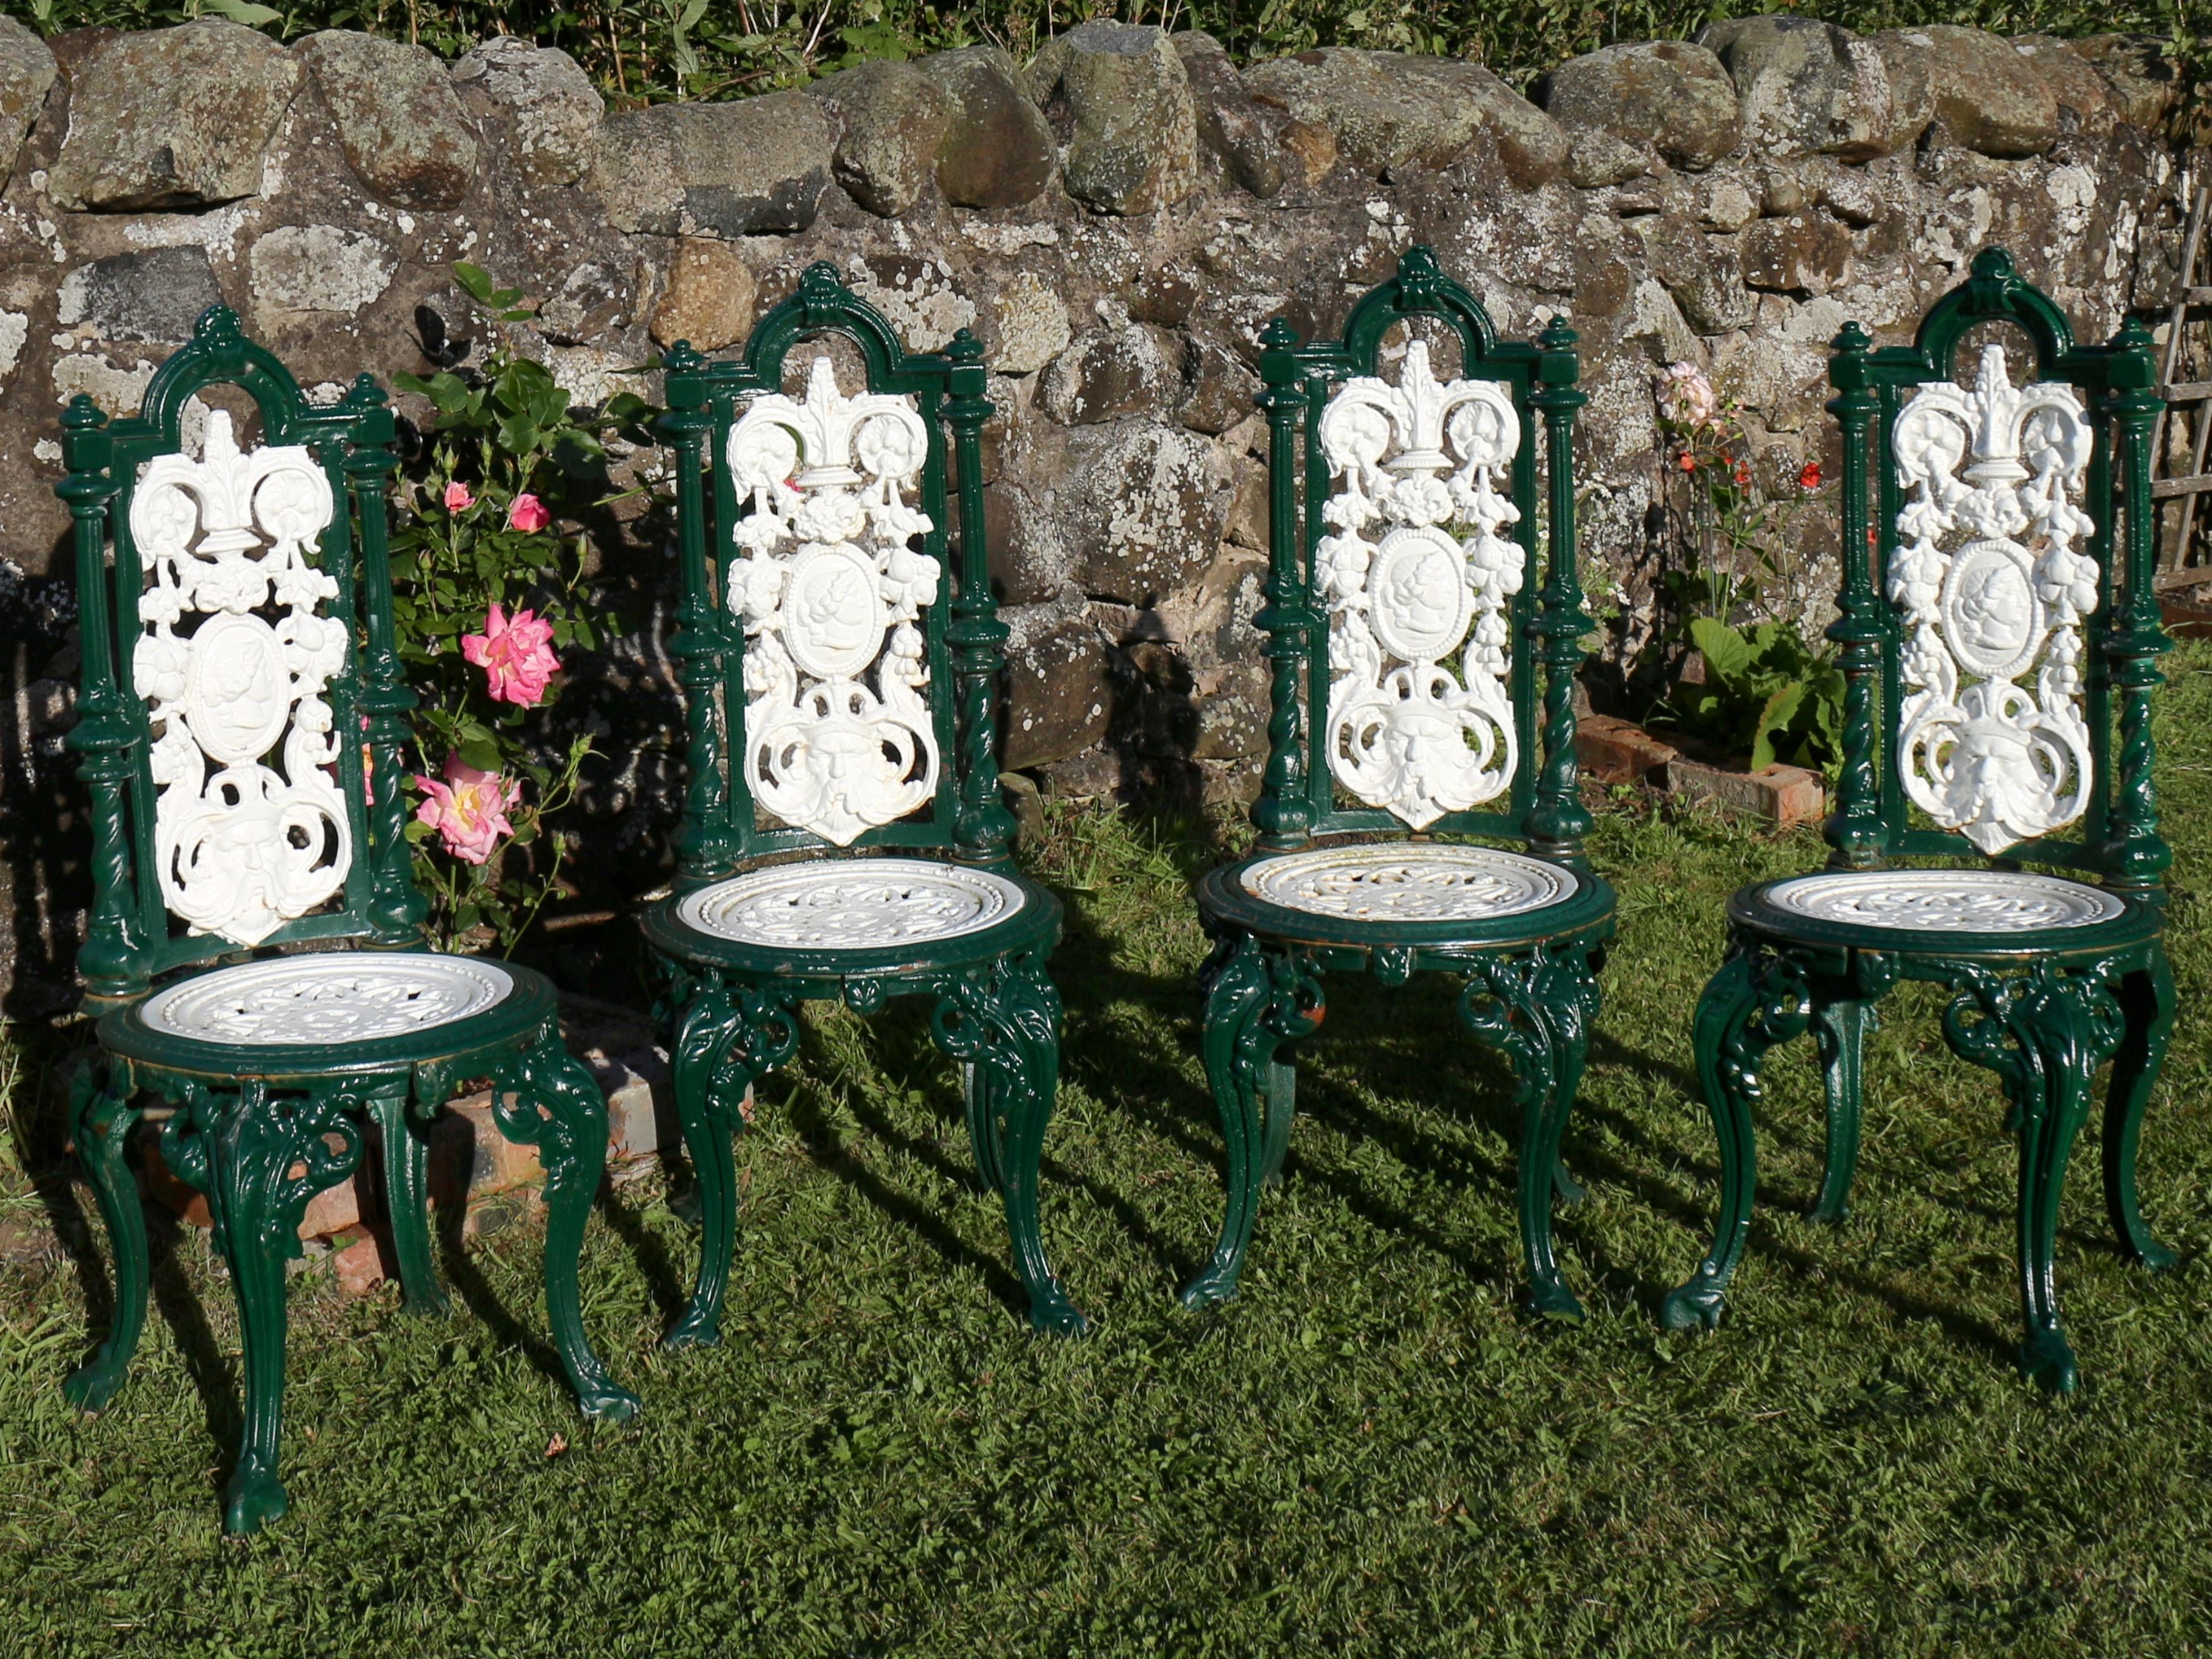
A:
<point x="829" y="587"/>
<point x="1991" y="740"/>
<point x="1419" y="577"/>
<point x="232" y="661"/>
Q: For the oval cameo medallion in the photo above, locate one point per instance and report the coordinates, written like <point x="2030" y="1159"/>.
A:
<point x="237" y="693"/>
<point x="1418" y="601"/>
<point x="1991" y="618"/>
<point x="833" y="611"/>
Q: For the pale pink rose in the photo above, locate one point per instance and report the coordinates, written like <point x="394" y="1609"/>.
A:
<point x="458" y="499"/>
<point x="528" y="513"/>
<point x="515" y="653"/>
<point x="468" y="809"/>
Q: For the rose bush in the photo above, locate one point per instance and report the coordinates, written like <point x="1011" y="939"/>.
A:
<point x="492" y="589"/>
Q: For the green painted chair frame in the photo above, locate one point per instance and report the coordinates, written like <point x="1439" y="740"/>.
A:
<point x="2042" y="1008"/>
<point x="1529" y="977"/>
<point x="733" y="1004"/>
<point x="261" y="1127"/>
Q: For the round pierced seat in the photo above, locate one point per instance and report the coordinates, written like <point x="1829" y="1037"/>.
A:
<point x="855" y="913"/>
<point x="1968" y="910"/>
<point x="1426" y="891"/>
<point x="331" y="1012"/>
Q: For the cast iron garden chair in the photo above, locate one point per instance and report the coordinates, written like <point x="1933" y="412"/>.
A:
<point x="2013" y="530"/>
<point x="240" y="727"/>
<point x="843" y="836"/>
<point x="1405" y="625"/>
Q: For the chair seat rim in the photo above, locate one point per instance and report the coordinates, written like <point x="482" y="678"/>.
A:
<point x="1752" y="907"/>
<point x="1224" y="899"/>
<point x="529" y="1012"/>
<point x="1034" y="923"/>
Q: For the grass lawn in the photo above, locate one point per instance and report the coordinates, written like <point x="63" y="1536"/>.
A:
<point x="1368" y="1453"/>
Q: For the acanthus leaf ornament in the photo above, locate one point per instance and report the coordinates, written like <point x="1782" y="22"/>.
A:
<point x="828" y="585"/>
<point x="240" y="847"/>
<point x="1416" y="568"/>
<point x="1992" y="587"/>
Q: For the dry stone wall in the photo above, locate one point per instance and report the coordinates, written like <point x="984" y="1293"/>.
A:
<point x="1114" y="221"/>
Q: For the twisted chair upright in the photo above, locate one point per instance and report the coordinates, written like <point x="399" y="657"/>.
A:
<point x="242" y="734"/>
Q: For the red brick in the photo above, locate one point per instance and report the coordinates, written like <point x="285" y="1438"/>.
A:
<point x="1611" y="750"/>
<point x="1782" y="795"/>
<point x="358" y="1266"/>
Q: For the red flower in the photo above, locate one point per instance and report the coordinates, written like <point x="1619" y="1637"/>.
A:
<point x="1689" y="462"/>
<point x="1742" y="476"/>
<point x="1810" y="478"/>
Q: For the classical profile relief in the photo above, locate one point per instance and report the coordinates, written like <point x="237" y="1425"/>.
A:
<point x="1418" y="580"/>
<point x="838" y="736"/>
<point x="1993" y="591"/>
<point x="242" y="847"/>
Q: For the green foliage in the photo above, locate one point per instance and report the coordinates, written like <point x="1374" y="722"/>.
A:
<point x="649" y="50"/>
<point x="1370" y="1454"/>
<point x="1767" y="693"/>
<point x="503" y="432"/>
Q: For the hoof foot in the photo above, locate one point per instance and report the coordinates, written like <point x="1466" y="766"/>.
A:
<point x="1829" y="1215"/>
<point x="1057" y="1317"/>
<point x="693" y="1330"/>
<point x="255" y="1500"/>
<point x="1689" y="1307"/>
<point x="2047" y="1361"/>
<point x="1214" y="1286"/>
<point x="438" y="1306"/>
<point x="1553" y="1301"/>
<point x="609" y="1405"/>
<point x="2151" y="1256"/>
<point x="89" y="1388"/>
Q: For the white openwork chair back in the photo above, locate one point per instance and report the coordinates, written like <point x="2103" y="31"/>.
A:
<point x="829" y="584"/>
<point x="1418" y="578"/>
<point x="232" y="659"/>
<point x="1993" y="592"/>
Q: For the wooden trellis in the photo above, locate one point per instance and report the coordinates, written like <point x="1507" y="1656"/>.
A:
<point x="2185" y="548"/>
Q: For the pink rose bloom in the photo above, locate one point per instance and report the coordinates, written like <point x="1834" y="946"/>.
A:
<point x="458" y="499"/>
<point x="528" y="513"/>
<point x="468" y="809"/>
<point x="516" y="654"/>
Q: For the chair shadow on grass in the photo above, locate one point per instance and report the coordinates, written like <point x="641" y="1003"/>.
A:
<point x="213" y="1374"/>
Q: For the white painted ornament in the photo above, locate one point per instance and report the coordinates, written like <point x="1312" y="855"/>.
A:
<point x="1947" y="901"/>
<point x="838" y="732"/>
<point x="1415" y="569"/>
<point x="1992" y="589"/>
<point x="1398" y="882"/>
<point x="851" y="904"/>
<point x="343" y="997"/>
<point x="240" y="847"/>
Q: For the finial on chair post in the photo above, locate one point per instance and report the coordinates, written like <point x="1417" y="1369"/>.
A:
<point x="104" y="735"/>
<point x="706" y="846"/>
<point x="1855" y="830"/>
<point x="981" y="824"/>
<point x="1558" y="820"/>
<point x="1282" y="813"/>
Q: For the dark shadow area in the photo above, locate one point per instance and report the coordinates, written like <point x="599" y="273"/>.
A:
<point x="46" y="836"/>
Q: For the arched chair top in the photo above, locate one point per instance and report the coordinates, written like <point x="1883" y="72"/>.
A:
<point x="2006" y="609"/>
<point x="1431" y="644"/>
<point x="240" y="683"/>
<point x="906" y="449"/>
